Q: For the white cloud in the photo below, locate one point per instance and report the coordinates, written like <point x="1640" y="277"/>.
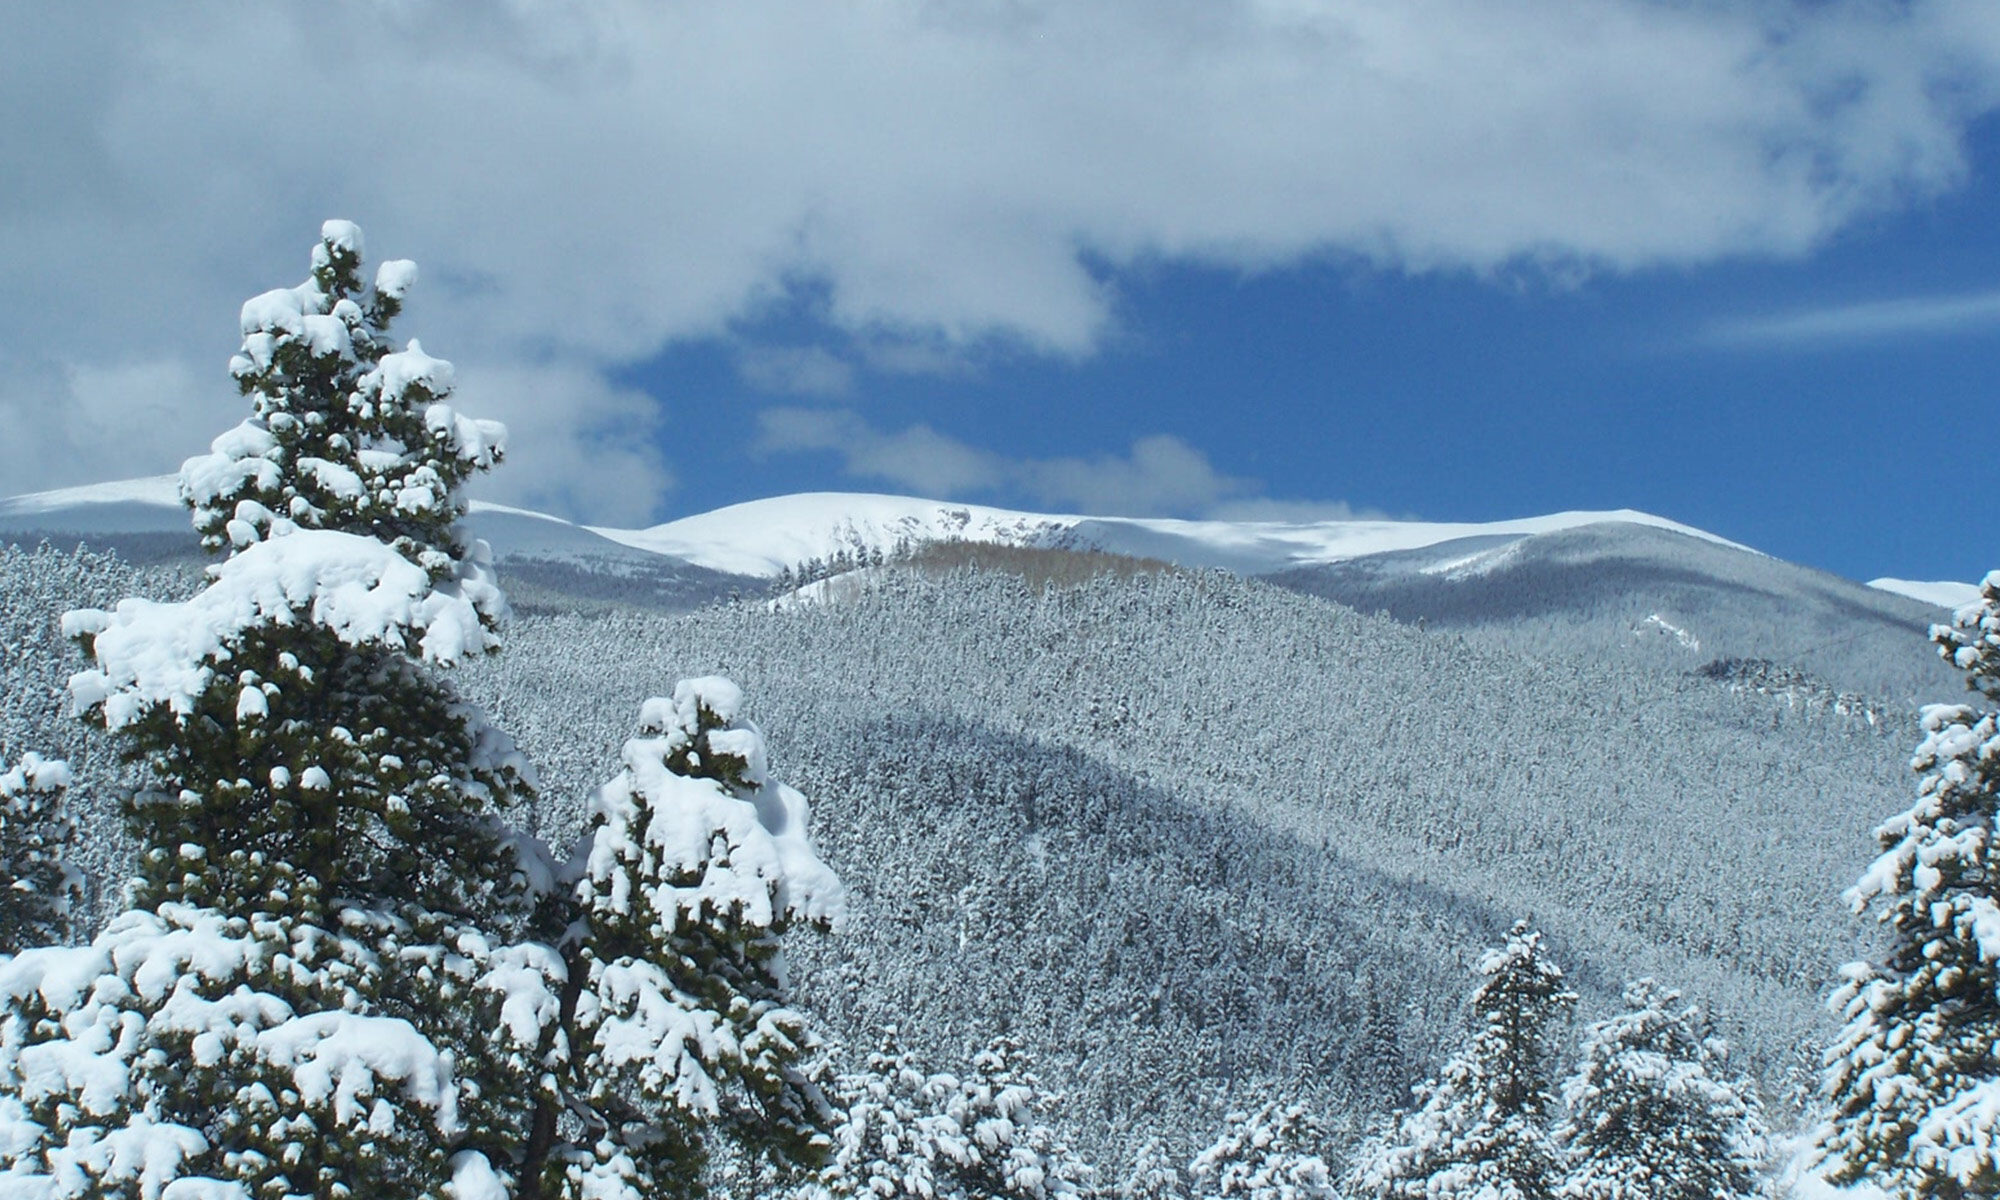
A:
<point x="575" y="444"/>
<point x="1161" y="475"/>
<point x="63" y="424"/>
<point x="1910" y="316"/>
<point x="919" y="458"/>
<point x="795" y="370"/>
<point x="1297" y="512"/>
<point x="585" y="182"/>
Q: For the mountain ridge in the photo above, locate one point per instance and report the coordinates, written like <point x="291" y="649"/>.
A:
<point x="762" y="538"/>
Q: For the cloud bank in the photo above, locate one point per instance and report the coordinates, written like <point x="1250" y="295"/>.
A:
<point x="586" y="182"/>
<point x="1908" y="316"/>
<point x="1161" y="475"/>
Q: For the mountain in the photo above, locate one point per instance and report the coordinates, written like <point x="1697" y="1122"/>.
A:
<point x="1942" y="592"/>
<point x="1624" y="584"/>
<point x="547" y="560"/>
<point x="1652" y="596"/>
<point x="762" y="538"/>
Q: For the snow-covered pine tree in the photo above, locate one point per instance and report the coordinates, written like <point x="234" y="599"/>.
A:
<point x="1004" y="1148"/>
<point x="317" y="991"/>
<point x="351" y="442"/>
<point x="37" y="886"/>
<point x="1269" y="1154"/>
<point x="346" y="433"/>
<point x="1481" y="1128"/>
<point x="982" y="1136"/>
<point x="1653" y="1113"/>
<point x="695" y="864"/>
<point x="886" y="1143"/>
<point x="1914" y="1076"/>
<point x="1155" y="1175"/>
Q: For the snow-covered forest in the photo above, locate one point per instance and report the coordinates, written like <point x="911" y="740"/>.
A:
<point x="1085" y="875"/>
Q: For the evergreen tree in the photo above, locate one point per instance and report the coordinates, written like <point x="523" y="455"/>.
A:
<point x="1155" y="1175"/>
<point x="302" y="748"/>
<point x="887" y="1142"/>
<point x="1652" y="1112"/>
<point x="37" y="887"/>
<point x="317" y="991"/>
<point x="1269" y="1154"/>
<point x="347" y="432"/>
<point x="695" y="865"/>
<point x="906" y="1133"/>
<point x="1914" y="1076"/>
<point x="1481" y="1128"/>
<point x="1004" y="1147"/>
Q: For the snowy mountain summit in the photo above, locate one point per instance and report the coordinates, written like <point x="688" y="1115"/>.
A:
<point x="762" y="538"/>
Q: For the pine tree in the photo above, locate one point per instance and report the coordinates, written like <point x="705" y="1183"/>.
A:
<point x="1653" y="1114"/>
<point x="37" y="887"/>
<point x="317" y="992"/>
<point x="1155" y="1175"/>
<point x="695" y="865"/>
<point x="347" y="432"/>
<point x="1269" y="1154"/>
<point x="1914" y="1076"/>
<point x="982" y="1136"/>
<point x="303" y="750"/>
<point x="1004" y="1147"/>
<point x="887" y="1142"/>
<point x="1481" y="1128"/>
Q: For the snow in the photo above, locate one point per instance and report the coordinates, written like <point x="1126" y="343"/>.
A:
<point x="668" y="824"/>
<point x="396" y="277"/>
<point x="411" y="367"/>
<point x="1660" y="623"/>
<point x="337" y="1058"/>
<point x="150" y="654"/>
<point x="151" y="979"/>
<point x="35" y="773"/>
<point x="1943" y="593"/>
<point x="156" y="490"/>
<point x="280" y="310"/>
<point x="334" y="478"/>
<point x="344" y="234"/>
<point x="763" y="537"/>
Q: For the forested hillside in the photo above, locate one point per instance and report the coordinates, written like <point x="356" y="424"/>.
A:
<point x="1196" y="838"/>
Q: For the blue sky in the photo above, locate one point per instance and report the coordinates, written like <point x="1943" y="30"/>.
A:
<point x="1732" y="263"/>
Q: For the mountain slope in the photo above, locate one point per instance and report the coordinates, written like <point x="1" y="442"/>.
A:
<point x="1625" y="583"/>
<point x="1651" y="596"/>
<point x="1189" y="834"/>
<point x="1942" y="592"/>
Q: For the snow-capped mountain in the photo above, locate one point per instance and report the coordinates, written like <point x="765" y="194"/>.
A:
<point x="1942" y="592"/>
<point x="1621" y="583"/>
<point x="761" y="538"/>
<point x="149" y="505"/>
